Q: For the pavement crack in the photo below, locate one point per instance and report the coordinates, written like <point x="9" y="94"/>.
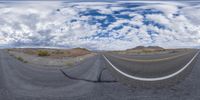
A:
<point x="80" y="79"/>
<point x="100" y="74"/>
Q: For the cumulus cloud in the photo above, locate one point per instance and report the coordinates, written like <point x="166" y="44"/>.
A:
<point x="99" y="25"/>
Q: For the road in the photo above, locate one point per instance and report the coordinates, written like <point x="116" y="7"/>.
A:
<point x="150" y="68"/>
<point x="94" y="79"/>
<point x="156" y="71"/>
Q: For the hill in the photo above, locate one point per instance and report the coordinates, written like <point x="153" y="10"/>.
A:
<point x="146" y="48"/>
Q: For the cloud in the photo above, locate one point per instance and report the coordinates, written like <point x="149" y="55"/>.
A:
<point x="159" y="18"/>
<point x="99" y="25"/>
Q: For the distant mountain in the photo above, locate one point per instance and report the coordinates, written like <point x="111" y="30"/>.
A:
<point x="138" y="48"/>
<point x="155" y="47"/>
<point x="78" y="51"/>
<point x="146" y="48"/>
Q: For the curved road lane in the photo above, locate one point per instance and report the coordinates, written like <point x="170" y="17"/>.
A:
<point x="150" y="70"/>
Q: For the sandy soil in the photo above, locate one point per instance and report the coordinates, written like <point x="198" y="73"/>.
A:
<point x="54" y="53"/>
<point x="54" y="59"/>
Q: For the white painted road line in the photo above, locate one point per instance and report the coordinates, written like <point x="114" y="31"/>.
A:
<point x="152" y="79"/>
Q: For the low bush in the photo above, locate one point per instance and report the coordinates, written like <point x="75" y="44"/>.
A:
<point x="25" y="61"/>
<point x="58" y="52"/>
<point x="69" y="63"/>
<point x="21" y="59"/>
<point x="43" y="53"/>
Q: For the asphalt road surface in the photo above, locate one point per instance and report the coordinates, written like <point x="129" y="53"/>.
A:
<point x="96" y="79"/>
<point x="152" y="67"/>
<point x="159" y="70"/>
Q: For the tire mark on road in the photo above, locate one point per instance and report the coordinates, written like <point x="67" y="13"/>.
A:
<point x="92" y="81"/>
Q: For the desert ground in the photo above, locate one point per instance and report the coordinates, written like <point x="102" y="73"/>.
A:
<point x="51" y="57"/>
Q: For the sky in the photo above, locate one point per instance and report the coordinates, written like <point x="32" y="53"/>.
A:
<point x="99" y="25"/>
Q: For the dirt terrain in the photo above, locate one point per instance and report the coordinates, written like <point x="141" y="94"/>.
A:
<point x="53" y="53"/>
<point x="51" y="57"/>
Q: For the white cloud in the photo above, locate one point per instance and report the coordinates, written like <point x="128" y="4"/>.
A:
<point x="191" y="13"/>
<point x="51" y="25"/>
<point x="158" y="18"/>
